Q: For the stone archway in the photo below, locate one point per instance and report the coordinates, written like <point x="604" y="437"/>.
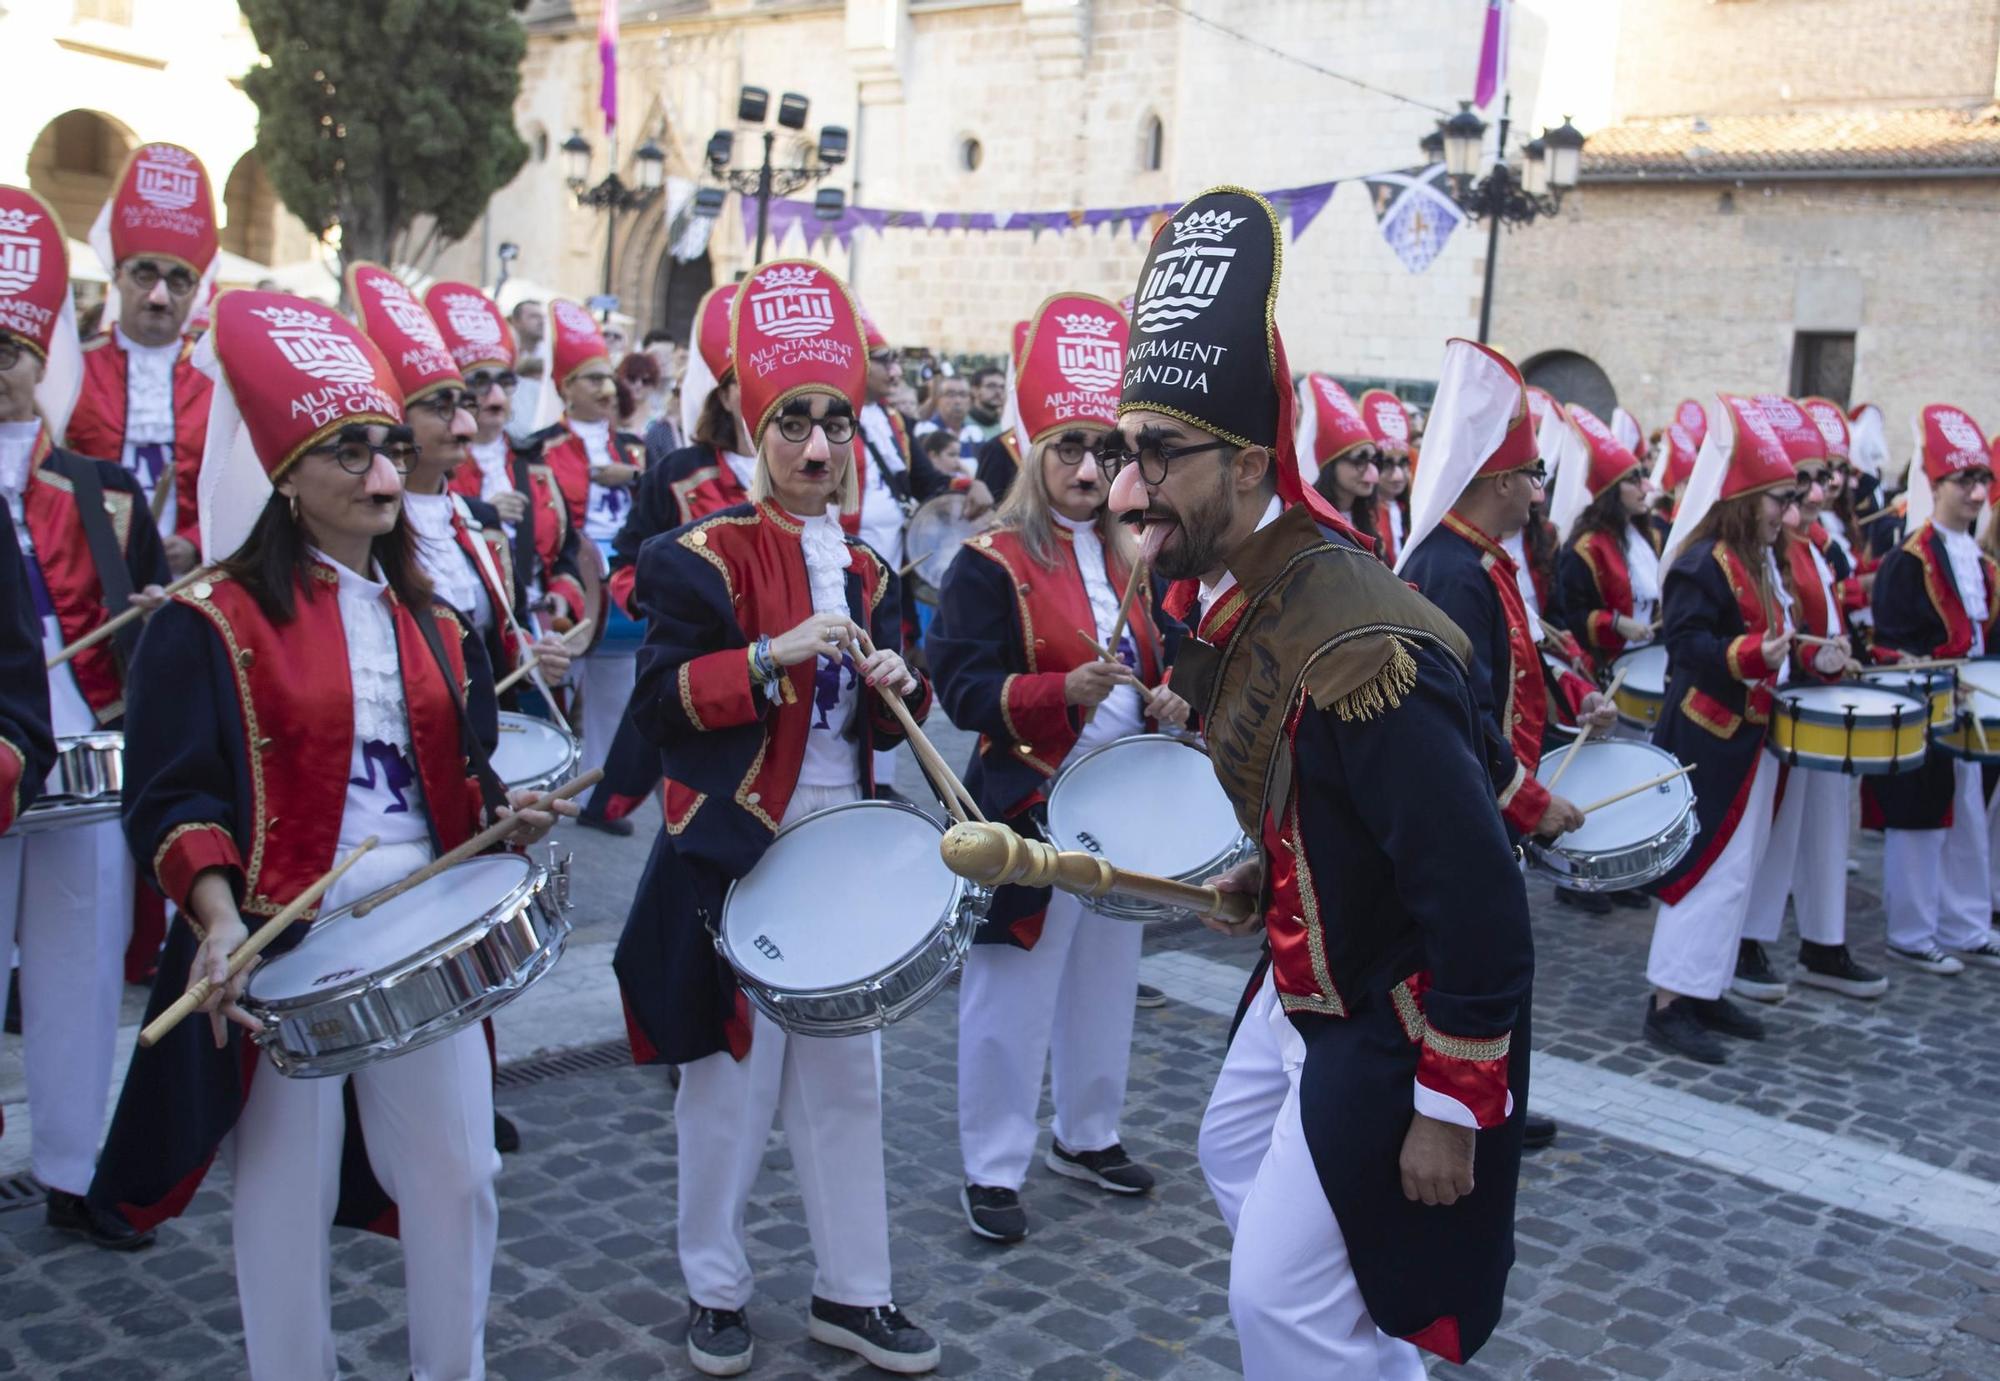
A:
<point x="74" y="163"/>
<point x="250" y="211"/>
<point x="1571" y="377"/>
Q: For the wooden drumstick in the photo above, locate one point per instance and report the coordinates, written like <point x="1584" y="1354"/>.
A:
<point x="1618" y="796"/>
<point x="123" y="617"/>
<point x="493" y="834"/>
<point x="957" y="800"/>
<point x="1132" y="583"/>
<point x="1610" y="694"/>
<point x="994" y="856"/>
<point x="513" y="678"/>
<point x="239" y="958"/>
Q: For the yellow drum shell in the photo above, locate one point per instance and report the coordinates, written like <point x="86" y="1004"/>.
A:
<point x="1642" y="695"/>
<point x="1960" y="739"/>
<point x="1934" y="686"/>
<point x="1860" y="729"/>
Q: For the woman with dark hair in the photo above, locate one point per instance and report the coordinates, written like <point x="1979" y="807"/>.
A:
<point x="1608" y="569"/>
<point x="306" y="694"/>
<point x="1729" y="640"/>
<point x="1340" y="458"/>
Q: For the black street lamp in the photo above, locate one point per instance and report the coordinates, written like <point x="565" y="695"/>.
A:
<point x="613" y="195"/>
<point x="764" y="182"/>
<point x="1549" y="168"/>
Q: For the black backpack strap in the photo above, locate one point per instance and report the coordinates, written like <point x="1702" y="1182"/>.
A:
<point x="526" y="555"/>
<point x="113" y="576"/>
<point x="491" y="789"/>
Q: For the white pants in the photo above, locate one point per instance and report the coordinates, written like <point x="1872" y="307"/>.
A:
<point x="66" y="901"/>
<point x="1936" y="884"/>
<point x="1292" y="1294"/>
<point x="830" y="1093"/>
<point x="428" y="1120"/>
<point x="606" y="682"/>
<point x="1694" y="939"/>
<point x="1806" y="859"/>
<point x="1993" y="845"/>
<point x="1073" y="989"/>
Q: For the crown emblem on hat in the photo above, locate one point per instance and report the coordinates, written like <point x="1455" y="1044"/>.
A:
<point x="1205" y="225"/>
<point x="1086" y="324"/>
<point x="785" y="276"/>
<point x="169" y="154"/>
<point x="284" y="318"/>
<point x="15" y="220"/>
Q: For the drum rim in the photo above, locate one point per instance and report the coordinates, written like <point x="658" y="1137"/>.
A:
<point x="963" y="890"/>
<point x="521" y="894"/>
<point x="1687" y="806"/>
<point x="1834" y="719"/>
<point x="1074" y="764"/>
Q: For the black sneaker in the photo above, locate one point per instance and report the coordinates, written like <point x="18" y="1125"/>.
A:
<point x="719" y="1341"/>
<point x="1720" y="1014"/>
<point x="880" y="1334"/>
<point x="1755" y="978"/>
<point x="993" y="1213"/>
<point x="1833" y="968"/>
<point x="1985" y="954"/>
<point x="1109" y="1169"/>
<point x="104" y="1227"/>
<point x="1929" y="959"/>
<point x="1632" y="900"/>
<point x="1590" y="903"/>
<point x="506" y="1136"/>
<point x="1537" y="1131"/>
<point x="13" y="1020"/>
<point x="1675" y="1027"/>
<point x="1149" y="996"/>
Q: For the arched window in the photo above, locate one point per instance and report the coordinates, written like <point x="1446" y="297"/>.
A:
<point x="1572" y="378"/>
<point x="1152" y="144"/>
<point x="74" y="161"/>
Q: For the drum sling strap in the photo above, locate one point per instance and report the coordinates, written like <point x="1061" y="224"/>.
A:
<point x="525" y="554"/>
<point x="491" y="789"/>
<point x="113" y="576"/>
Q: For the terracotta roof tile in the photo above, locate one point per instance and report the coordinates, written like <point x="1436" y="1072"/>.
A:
<point x="1829" y="141"/>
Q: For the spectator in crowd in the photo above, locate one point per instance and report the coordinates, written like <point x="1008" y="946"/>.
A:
<point x="951" y="407"/>
<point x="530" y="324"/>
<point x="659" y="425"/>
<point x="618" y="336"/>
<point x="942" y="449"/>
<point x="989" y="400"/>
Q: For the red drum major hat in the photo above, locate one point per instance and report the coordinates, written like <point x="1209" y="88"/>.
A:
<point x="794" y="329"/>
<point x="708" y="354"/>
<point x="475" y="330"/>
<point x="1330" y="425"/>
<point x="1693" y="419"/>
<point x="1680" y="450"/>
<point x="870" y="332"/>
<point x="161" y="207"/>
<point x="1625" y="427"/>
<point x="1479" y="426"/>
<point x="288" y="374"/>
<point x="35" y="303"/>
<point x="574" y="342"/>
<point x="403" y="331"/>
<point x="1798" y="433"/>
<point x="1948" y="440"/>
<point x="1388" y="421"/>
<point x="1825" y="414"/>
<point x="1071" y="360"/>
<point x="1740" y="454"/>
<point x="1541" y="403"/>
<point x="1611" y="460"/>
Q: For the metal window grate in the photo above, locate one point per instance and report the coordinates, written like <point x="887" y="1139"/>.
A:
<point x="582" y="1060"/>
<point x="21" y="1191"/>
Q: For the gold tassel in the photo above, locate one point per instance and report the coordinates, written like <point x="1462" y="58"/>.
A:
<point x="1383" y="691"/>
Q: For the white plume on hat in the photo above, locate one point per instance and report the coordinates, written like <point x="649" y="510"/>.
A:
<point x="1476" y="399"/>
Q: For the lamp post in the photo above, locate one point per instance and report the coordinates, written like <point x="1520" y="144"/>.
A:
<point x="811" y="162"/>
<point x="1549" y="168"/>
<point x="613" y="195"/>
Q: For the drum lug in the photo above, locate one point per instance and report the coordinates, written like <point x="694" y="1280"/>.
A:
<point x="559" y="877"/>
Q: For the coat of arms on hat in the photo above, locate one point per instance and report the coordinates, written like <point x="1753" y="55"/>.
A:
<point x="1185" y="279"/>
<point x="20" y="251"/>
<point x="310" y="344"/>
<point x="791" y="302"/>
<point x="470" y="319"/>
<point x="167" y="177"/>
<point x="1086" y="351"/>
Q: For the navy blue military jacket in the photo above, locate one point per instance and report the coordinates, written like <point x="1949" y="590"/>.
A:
<point x="27" y="748"/>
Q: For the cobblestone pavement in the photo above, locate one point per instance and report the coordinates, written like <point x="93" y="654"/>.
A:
<point x="1826" y="1206"/>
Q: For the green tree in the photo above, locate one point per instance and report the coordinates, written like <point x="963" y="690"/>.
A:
<point x="391" y="119"/>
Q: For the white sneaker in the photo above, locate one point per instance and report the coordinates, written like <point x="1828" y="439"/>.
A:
<point x="1929" y="960"/>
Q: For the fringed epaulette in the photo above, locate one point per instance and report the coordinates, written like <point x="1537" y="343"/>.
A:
<point x="1364" y="677"/>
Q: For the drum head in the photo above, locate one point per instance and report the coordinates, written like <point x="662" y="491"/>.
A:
<point x="341" y="948"/>
<point x="1645" y="672"/>
<point x="530" y="749"/>
<point x="1836" y="701"/>
<point x="1106" y="803"/>
<point x="1605" y="768"/>
<point x="839" y="897"/>
<point x="937" y="530"/>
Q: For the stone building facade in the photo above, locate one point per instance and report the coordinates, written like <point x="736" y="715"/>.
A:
<point x="1794" y="195"/>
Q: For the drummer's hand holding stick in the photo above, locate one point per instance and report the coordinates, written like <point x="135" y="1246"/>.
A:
<point x="144" y="602"/>
<point x="229" y="951"/>
<point x="1631" y="629"/>
<point x="1590" y="726"/>
<point x="568" y="642"/>
<point x="978" y="500"/>
<point x="892" y="679"/>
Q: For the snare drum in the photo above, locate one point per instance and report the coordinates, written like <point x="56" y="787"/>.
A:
<point x="1100" y="804"/>
<point x="1864" y="730"/>
<point x="414" y="970"/>
<point x="1961" y="740"/>
<point x="82" y="787"/>
<point x="821" y="958"/>
<point x="532" y="754"/>
<point x="1626" y="844"/>
<point x="1643" y="692"/>
<point x="1935" y="687"/>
